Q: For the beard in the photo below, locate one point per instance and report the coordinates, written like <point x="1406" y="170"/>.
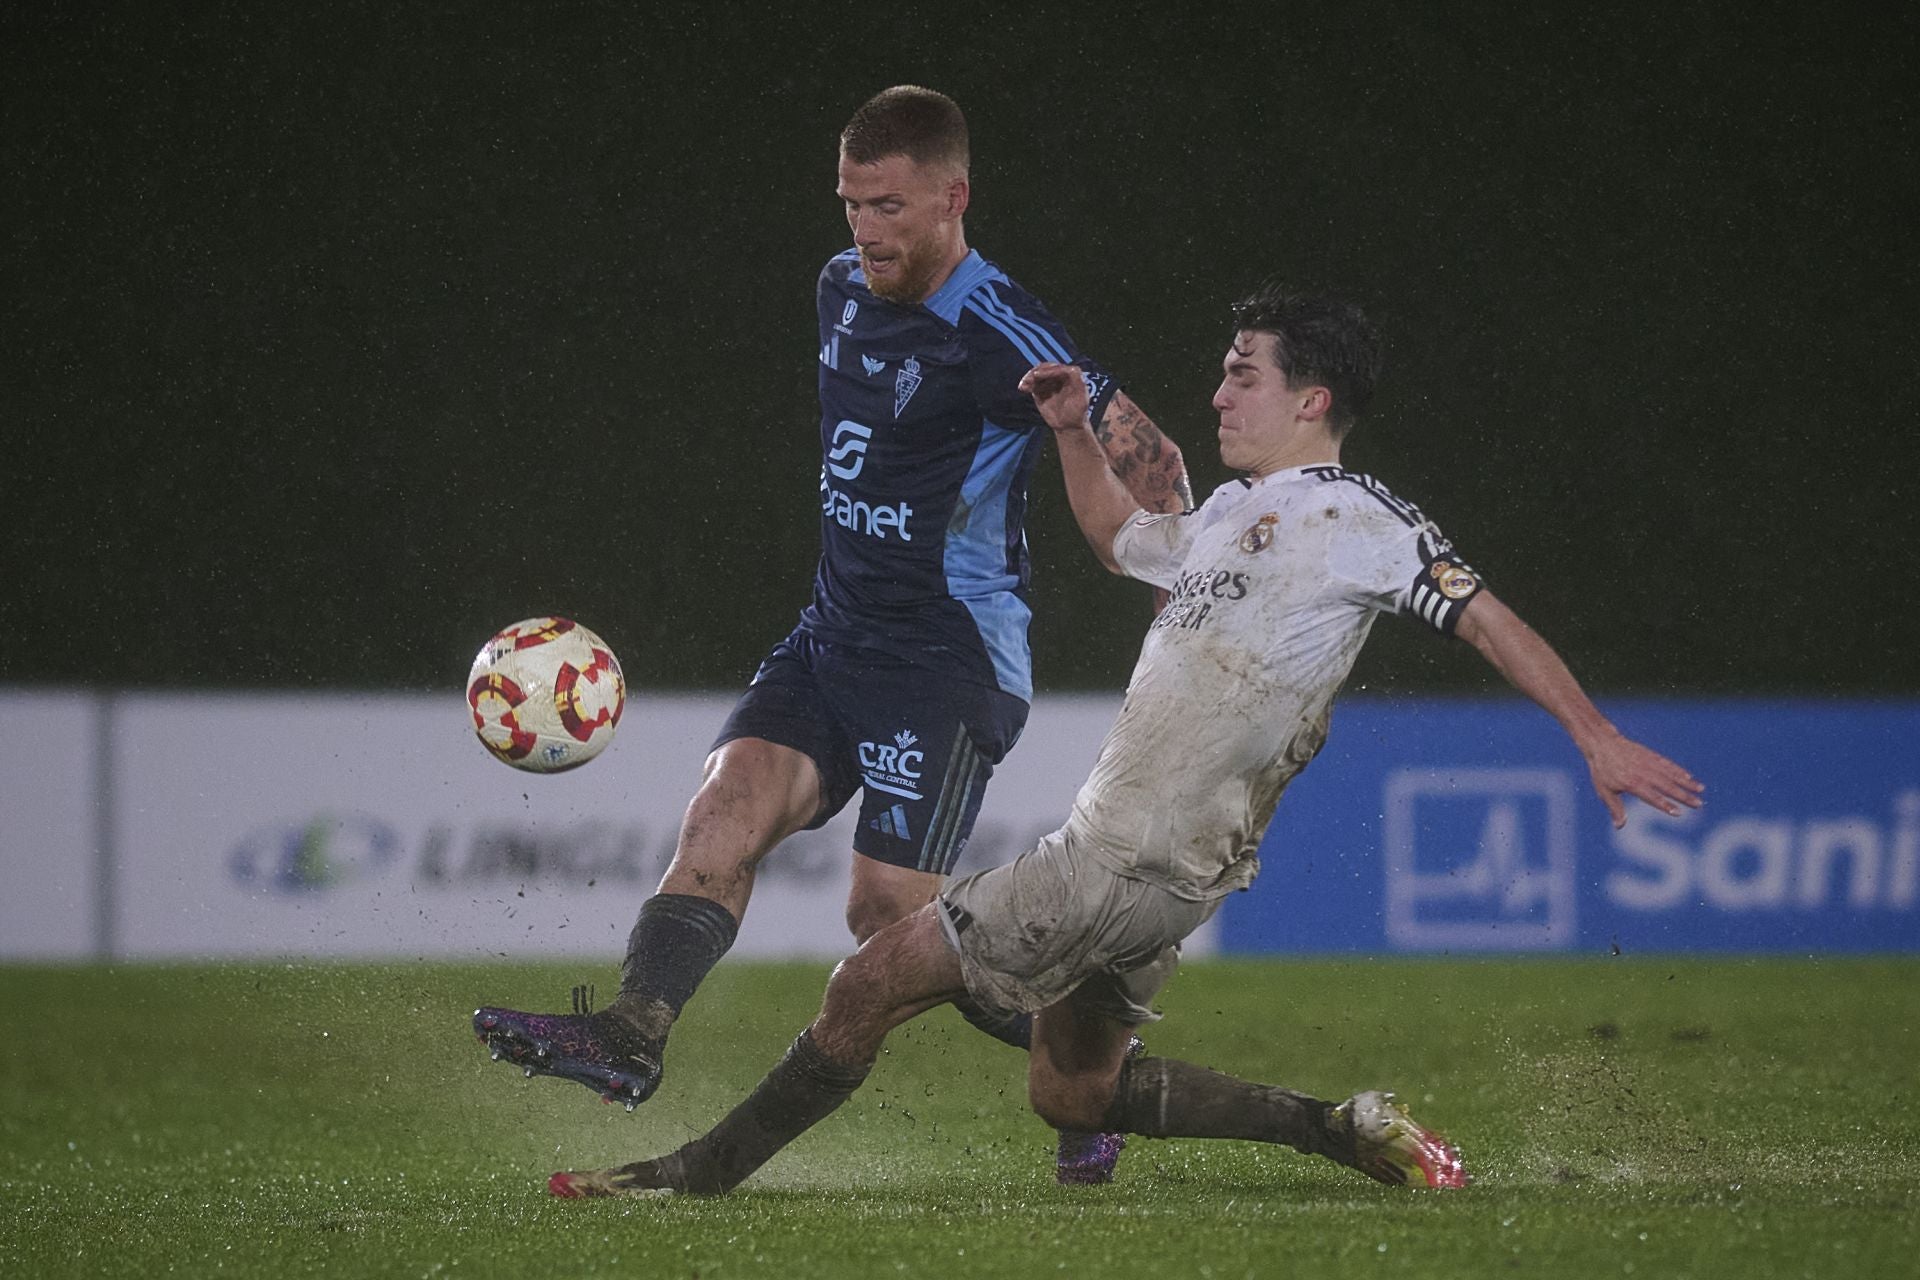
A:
<point x="911" y="277"/>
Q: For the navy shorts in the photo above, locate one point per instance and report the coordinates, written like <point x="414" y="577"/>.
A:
<point x="920" y="746"/>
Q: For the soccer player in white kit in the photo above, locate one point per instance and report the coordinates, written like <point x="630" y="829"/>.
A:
<point x="1275" y="582"/>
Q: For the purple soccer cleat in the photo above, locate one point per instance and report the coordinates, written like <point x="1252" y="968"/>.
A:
<point x="1087" y="1159"/>
<point x="594" y="1049"/>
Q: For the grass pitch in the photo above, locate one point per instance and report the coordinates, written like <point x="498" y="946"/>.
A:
<point x="1635" y="1115"/>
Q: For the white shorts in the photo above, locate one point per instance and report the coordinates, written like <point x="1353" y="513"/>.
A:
<point x="1050" y="924"/>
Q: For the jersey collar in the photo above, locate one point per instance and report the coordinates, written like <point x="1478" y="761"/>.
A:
<point x="972" y="272"/>
<point x="1286" y="474"/>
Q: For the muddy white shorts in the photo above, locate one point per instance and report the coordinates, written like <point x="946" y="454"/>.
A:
<point x="1052" y="922"/>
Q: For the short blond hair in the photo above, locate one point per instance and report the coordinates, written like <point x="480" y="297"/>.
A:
<point x="907" y="120"/>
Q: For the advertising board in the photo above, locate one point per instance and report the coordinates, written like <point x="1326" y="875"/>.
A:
<point x="189" y="826"/>
<point x="1463" y="825"/>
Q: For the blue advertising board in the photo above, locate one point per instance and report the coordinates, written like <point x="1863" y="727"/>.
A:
<point x="1437" y="825"/>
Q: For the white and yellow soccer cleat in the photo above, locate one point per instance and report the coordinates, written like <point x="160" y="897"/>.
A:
<point x="643" y="1180"/>
<point x="1390" y="1146"/>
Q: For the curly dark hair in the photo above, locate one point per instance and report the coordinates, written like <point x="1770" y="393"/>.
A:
<point x="1319" y="340"/>
<point x="906" y="120"/>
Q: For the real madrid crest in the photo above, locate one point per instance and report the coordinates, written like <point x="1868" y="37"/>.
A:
<point x="1259" y="536"/>
<point x="1454" y="580"/>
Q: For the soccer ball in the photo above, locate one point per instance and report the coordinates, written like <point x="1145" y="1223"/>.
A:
<point x="546" y="695"/>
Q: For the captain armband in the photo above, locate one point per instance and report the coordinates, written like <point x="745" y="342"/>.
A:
<point x="1442" y="591"/>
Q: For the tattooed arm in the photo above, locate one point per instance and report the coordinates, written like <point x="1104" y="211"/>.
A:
<point x="1147" y="463"/>
<point x="1101" y="505"/>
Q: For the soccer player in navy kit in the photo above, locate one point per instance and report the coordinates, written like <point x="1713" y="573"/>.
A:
<point x="909" y="675"/>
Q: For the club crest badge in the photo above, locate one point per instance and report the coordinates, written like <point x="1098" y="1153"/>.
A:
<point x="1259" y="536"/>
<point x="1455" y="581"/>
<point x="905" y="383"/>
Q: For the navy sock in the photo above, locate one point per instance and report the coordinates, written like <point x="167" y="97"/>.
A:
<point x="674" y="945"/>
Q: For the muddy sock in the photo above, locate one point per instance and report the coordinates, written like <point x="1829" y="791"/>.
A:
<point x="674" y="944"/>
<point x="1166" y="1098"/>
<point x="802" y="1089"/>
<point x="1015" y="1029"/>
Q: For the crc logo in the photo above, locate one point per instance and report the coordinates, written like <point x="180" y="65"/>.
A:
<point x="324" y="852"/>
<point x="1479" y="858"/>
<point x="894" y="767"/>
<point x="849" y="441"/>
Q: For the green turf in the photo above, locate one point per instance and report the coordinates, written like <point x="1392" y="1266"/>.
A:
<point x="1626" y="1116"/>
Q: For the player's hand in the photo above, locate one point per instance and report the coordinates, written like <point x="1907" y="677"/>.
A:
<point x="1060" y="393"/>
<point x="1622" y="767"/>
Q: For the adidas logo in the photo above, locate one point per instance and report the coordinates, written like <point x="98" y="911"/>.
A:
<point x="892" y="823"/>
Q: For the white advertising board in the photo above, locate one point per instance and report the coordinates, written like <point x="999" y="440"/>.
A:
<point x="340" y="825"/>
<point x="49" y="824"/>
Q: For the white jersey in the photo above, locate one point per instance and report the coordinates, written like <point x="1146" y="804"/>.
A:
<point x="1275" y="583"/>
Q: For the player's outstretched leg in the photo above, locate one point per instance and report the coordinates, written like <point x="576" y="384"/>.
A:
<point x="803" y="1089"/>
<point x="1370" y="1132"/>
<point x="618" y="1051"/>
<point x="905" y="970"/>
<point x="754" y="795"/>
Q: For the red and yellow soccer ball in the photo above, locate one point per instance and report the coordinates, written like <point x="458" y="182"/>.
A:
<point x="546" y="695"/>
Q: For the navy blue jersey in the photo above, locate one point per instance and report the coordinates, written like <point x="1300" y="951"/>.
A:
<point x="928" y="443"/>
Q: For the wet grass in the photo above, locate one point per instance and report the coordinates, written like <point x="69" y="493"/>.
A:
<point x="1623" y="1116"/>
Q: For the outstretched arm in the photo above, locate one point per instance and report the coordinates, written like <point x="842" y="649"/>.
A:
<point x="1619" y="765"/>
<point x="1148" y="464"/>
<point x="1100" y="502"/>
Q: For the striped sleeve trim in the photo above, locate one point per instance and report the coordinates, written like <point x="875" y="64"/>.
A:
<point x="1031" y="340"/>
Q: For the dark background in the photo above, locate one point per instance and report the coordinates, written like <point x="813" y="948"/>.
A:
<point x="338" y="337"/>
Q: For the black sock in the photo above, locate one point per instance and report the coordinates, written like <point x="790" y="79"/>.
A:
<point x="1015" y="1029"/>
<point x="803" y="1089"/>
<point x="674" y="945"/>
<point x="1166" y="1098"/>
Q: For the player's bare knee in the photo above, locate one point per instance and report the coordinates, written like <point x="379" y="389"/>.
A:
<point x="847" y="988"/>
<point x="771" y="768"/>
<point x="753" y="795"/>
<point x="852" y="1022"/>
<point x="869" y="913"/>
<point x="882" y="894"/>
